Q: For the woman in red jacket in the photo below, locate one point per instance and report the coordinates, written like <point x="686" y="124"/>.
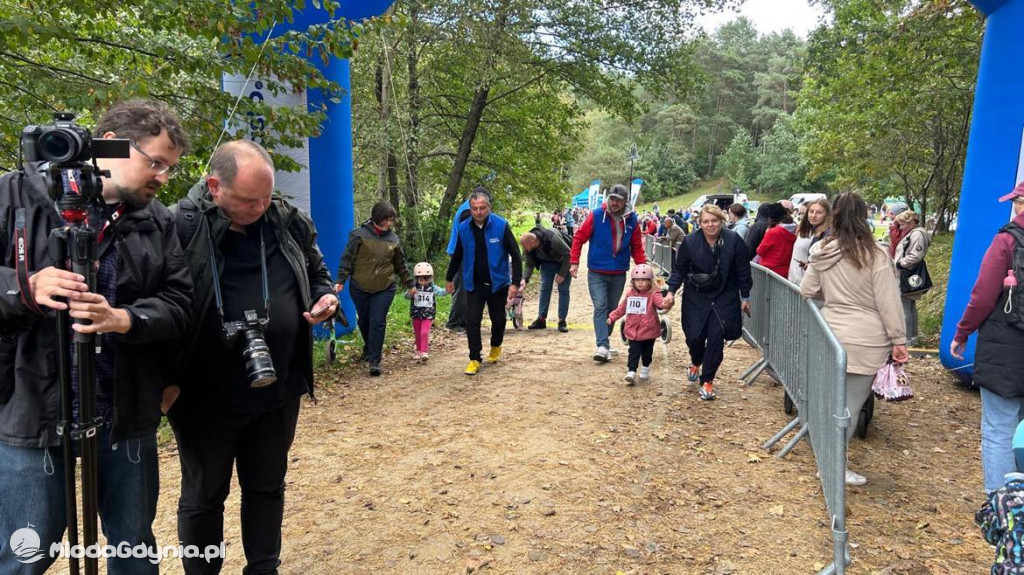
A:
<point x="776" y="249"/>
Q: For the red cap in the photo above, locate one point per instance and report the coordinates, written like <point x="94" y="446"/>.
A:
<point x="1017" y="192"/>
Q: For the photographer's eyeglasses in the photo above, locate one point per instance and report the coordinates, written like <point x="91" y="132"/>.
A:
<point x="155" y="165"/>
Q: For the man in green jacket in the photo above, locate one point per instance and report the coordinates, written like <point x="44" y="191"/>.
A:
<point x="547" y="250"/>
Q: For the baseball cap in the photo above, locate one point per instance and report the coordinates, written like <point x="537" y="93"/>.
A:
<point x="1017" y="192"/>
<point x="618" y="190"/>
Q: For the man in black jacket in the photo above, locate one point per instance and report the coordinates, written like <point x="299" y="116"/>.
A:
<point x="548" y="251"/>
<point x="142" y="299"/>
<point x="247" y="244"/>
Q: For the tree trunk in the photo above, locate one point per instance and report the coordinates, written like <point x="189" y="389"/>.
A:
<point x="412" y="145"/>
<point x="451" y="192"/>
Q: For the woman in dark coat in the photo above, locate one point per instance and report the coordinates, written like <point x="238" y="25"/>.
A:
<point x="713" y="265"/>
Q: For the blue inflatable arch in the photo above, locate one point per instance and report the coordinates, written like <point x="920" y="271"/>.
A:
<point x="325" y="187"/>
<point x="993" y="165"/>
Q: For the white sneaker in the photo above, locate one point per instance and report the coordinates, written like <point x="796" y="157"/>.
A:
<point x="645" y="372"/>
<point x="855" y="478"/>
<point x="612" y="352"/>
<point x="417" y="356"/>
<point x="601" y="354"/>
<point x="424" y="356"/>
<point x="630" y="377"/>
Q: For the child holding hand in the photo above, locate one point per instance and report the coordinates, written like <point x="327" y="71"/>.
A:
<point x="643" y="326"/>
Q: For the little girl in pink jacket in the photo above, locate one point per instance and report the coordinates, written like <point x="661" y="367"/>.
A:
<point x="643" y="326"/>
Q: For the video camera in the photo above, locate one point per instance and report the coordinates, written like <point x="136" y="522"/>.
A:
<point x="65" y="145"/>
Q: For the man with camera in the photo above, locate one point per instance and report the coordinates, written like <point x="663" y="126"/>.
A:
<point x="248" y="358"/>
<point x="141" y="299"/>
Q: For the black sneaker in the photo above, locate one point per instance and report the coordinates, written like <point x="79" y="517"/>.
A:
<point x="562" y="327"/>
<point x="539" y="323"/>
<point x="375" y="368"/>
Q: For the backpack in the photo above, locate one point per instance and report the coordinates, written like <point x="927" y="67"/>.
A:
<point x="1014" y="305"/>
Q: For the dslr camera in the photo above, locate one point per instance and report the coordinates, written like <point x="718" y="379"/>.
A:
<point x="64" y="145"/>
<point x="259" y="367"/>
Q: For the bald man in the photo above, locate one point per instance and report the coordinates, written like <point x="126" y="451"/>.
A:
<point x="236" y="408"/>
<point x="548" y="250"/>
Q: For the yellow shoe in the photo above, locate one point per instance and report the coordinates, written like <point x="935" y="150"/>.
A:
<point x="473" y="367"/>
<point x="495" y="355"/>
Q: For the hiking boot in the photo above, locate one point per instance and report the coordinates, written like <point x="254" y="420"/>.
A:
<point x="562" y="327"/>
<point x="855" y="479"/>
<point x="473" y="367"/>
<point x="630" y="377"/>
<point x="694" y="374"/>
<point x="645" y="373"/>
<point x="707" y="391"/>
<point x="539" y="323"/>
<point x="601" y="354"/>
<point x="375" y="368"/>
<point x="494" y="355"/>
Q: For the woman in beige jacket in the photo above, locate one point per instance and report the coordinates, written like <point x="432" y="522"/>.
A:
<point x="858" y="282"/>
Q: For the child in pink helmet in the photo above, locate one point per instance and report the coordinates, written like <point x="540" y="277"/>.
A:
<point x="423" y="308"/>
<point x="643" y="326"/>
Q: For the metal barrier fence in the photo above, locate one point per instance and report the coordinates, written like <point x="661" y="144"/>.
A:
<point x="800" y="350"/>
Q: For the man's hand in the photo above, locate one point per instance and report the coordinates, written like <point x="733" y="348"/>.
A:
<point x="449" y="287"/>
<point x="51" y="282"/>
<point x="745" y="306"/>
<point x="669" y="299"/>
<point x="574" y="269"/>
<point x="105" y="319"/>
<point x="900" y="354"/>
<point x="324" y="308"/>
<point x="512" y="291"/>
<point x="338" y="288"/>
<point x="171" y="393"/>
<point x="559" y="279"/>
<point x="956" y="349"/>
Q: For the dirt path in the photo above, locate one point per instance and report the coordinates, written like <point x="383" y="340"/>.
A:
<point x="547" y="463"/>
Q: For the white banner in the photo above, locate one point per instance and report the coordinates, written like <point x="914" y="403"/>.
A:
<point x="294" y="186"/>
<point x="634" y="191"/>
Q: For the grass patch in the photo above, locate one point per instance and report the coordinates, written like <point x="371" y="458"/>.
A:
<point x="931" y="305"/>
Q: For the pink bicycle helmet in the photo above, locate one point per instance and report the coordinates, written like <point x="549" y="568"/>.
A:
<point x="642" y="272"/>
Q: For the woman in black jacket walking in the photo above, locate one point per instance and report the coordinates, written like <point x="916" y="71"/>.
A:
<point x="713" y="265"/>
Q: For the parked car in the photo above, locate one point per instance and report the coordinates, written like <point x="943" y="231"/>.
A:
<point x="802" y="198"/>
<point x="721" y="200"/>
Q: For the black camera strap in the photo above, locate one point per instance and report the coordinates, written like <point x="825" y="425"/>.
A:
<point x="263" y="269"/>
<point x="21" y="255"/>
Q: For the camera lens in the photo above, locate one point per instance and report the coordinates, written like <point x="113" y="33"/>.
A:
<point x="259" y="367"/>
<point x="59" y="145"/>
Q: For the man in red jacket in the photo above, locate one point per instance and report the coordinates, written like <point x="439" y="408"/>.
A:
<point x="998" y="365"/>
<point x="614" y="235"/>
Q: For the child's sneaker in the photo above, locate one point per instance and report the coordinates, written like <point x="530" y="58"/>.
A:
<point x="694" y="374"/>
<point x="424" y="356"/>
<point x="707" y="391"/>
<point x="416" y="357"/>
<point x="630" y="377"/>
<point x="645" y="373"/>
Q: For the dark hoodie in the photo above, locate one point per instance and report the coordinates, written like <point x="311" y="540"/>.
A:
<point x="756" y="232"/>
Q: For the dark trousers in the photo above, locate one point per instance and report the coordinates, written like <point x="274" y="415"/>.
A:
<point x="495" y="302"/>
<point x="208" y="448"/>
<point x="372" y="317"/>
<point x="638" y="349"/>
<point x="707" y="348"/>
<point x="457" y="314"/>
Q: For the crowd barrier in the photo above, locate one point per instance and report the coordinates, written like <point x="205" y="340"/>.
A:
<point x="799" y="349"/>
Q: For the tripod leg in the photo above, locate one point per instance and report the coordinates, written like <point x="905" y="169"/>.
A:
<point x="59" y="254"/>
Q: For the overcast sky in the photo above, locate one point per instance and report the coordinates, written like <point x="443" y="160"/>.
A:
<point x="770" y="16"/>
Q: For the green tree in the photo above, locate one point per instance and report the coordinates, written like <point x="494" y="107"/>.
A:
<point x="739" y="163"/>
<point x="781" y="167"/>
<point x="81" y="55"/>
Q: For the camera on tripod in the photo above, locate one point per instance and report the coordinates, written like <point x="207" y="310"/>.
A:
<point x="65" y="145"/>
<point x="259" y="367"/>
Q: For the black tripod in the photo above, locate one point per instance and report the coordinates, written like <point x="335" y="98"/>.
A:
<point x="76" y="244"/>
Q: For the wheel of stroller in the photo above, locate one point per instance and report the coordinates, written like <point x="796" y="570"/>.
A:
<point x="787" y="404"/>
<point x="863" y="418"/>
<point x="332" y="351"/>
<point x="622" y="332"/>
<point x="666" y="330"/>
<point x="517" y="320"/>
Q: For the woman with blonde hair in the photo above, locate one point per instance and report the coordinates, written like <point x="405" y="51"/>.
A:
<point x="813" y="227"/>
<point x="713" y="264"/>
<point x="858" y="282"/>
